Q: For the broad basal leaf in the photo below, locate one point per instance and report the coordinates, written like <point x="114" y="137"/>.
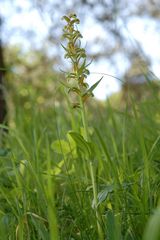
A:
<point x="81" y="143"/>
<point x="61" y="147"/>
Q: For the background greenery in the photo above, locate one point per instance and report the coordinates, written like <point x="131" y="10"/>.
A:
<point x="41" y="178"/>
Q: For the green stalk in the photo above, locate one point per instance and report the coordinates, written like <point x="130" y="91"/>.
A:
<point x="91" y="168"/>
<point x="84" y="120"/>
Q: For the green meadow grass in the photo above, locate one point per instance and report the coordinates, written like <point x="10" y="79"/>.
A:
<point x="45" y="184"/>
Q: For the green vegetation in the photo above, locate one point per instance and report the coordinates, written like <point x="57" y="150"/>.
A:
<point x="77" y="172"/>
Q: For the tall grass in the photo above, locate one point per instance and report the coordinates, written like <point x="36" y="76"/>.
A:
<point x="59" y="180"/>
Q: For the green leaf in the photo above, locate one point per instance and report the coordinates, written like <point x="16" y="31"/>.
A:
<point x="102" y="196"/>
<point x="70" y="140"/>
<point x="87" y="72"/>
<point x="58" y="169"/>
<point x="72" y="144"/>
<point x="81" y="143"/>
<point x="67" y="19"/>
<point x="152" y="230"/>
<point x="22" y="166"/>
<point x="90" y="90"/>
<point x="64" y="47"/>
<point x="90" y="130"/>
<point x="75" y="21"/>
<point x="80" y="70"/>
<point x="61" y="147"/>
<point x="55" y="170"/>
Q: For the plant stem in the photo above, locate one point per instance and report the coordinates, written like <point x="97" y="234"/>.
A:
<point x="98" y="215"/>
<point x="91" y="168"/>
<point x="84" y="120"/>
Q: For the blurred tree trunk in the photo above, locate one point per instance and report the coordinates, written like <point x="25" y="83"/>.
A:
<point x="3" y="108"/>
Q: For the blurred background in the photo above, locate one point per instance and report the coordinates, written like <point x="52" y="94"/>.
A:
<point x="121" y="38"/>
